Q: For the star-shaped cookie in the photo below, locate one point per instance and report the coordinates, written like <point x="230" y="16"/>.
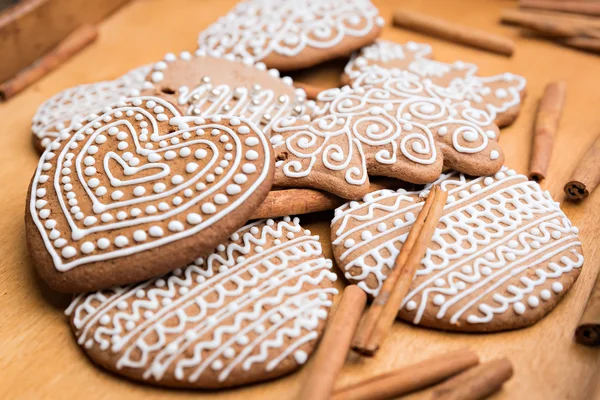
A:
<point x="382" y="130"/>
<point x="499" y="95"/>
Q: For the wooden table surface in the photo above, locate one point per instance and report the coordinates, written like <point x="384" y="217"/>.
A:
<point x="39" y="357"/>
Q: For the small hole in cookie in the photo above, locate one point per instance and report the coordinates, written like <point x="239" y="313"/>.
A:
<point x="282" y="156"/>
<point x="167" y="90"/>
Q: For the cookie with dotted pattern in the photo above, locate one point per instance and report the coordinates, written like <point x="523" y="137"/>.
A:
<point x="140" y="190"/>
<point x="69" y="107"/>
<point x="499" y="95"/>
<point x="384" y="130"/>
<point x="502" y="257"/>
<point x="293" y="34"/>
<point x="252" y="310"/>
<point x="202" y="84"/>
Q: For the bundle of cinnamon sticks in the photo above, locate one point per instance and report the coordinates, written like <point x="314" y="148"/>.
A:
<point x="455" y="374"/>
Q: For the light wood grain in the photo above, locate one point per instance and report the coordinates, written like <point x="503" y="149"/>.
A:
<point x="38" y="356"/>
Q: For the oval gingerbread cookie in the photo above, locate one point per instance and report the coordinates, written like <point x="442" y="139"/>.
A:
<point x="252" y="310"/>
<point x="139" y="190"/>
<point x="69" y="107"/>
<point x="290" y="35"/>
<point x="503" y="254"/>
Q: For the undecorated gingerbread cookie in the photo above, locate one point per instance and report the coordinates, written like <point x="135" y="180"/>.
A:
<point x="499" y="95"/>
<point x="69" y="107"/>
<point x="382" y="130"/>
<point x="253" y="310"/>
<point x="503" y="254"/>
<point x="207" y="85"/>
<point x="293" y="34"/>
<point x="139" y="190"/>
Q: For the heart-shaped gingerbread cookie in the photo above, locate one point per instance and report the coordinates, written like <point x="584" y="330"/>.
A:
<point x="140" y="190"/>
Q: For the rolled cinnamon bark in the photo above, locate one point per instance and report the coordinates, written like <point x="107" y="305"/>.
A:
<point x="454" y="33"/>
<point x="587" y="44"/>
<point x="548" y="25"/>
<point x="72" y="44"/>
<point x="476" y="383"/>
<point x="334" y="346"/>
<point x="586" y="176"/>
<point x="546" y="125"/>
<point x="409" y="379"/>
<point x="577" y="7"/>
<point x="588" y="329"/>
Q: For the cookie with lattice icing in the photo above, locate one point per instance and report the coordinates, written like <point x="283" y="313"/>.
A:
<point x="69" y="107"/>
<point x="293" y="34"/>
<point x="202" y="84"/>
<point x="139" y="190"/>
<point x="503" y="254"/>
<point x="499" y="95"/>
<point x="382" y="130"/>
<point x="250" y="311"/>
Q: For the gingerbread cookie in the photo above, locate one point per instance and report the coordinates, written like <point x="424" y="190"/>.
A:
<point x="382" y="130"/>
<point x="499" y="95"/>
<point x="290" y="35"/>
<point x="207" y="85"/>
<point x="503" y="254"/>
<point x="253" y="310"/>
<point x="69" y="107"/>
<point x="139" y="190"/>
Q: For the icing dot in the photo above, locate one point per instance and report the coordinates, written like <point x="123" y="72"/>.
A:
<point x="233" y="189"/>
<point x="494" y="155"/>
<point x="409" y="216"/>
<point x="486" y="271"/>
<point x="191" y="167"/>
<point x="381" y="227"/>
<point x="251" y="155"/>
<point x="116" y="195"/>
<point x="139" y="236"/>
<point x="175" y="226"/>
<point x="69" y="252"/>
<point x="556" y="234"/>
<point x="248" y="168"/>
<point x="193" y="218"/>
<point x="105" y="319"/>
<point x="519" y="308"/>
<point x="159" y="187"/>
<point x="438" y="299"/>
<point x="533" y="301"/>
<point x="411" y="305"/>
<point x="366" y="235"/>
<point x="221" y="199"/>
<point x="121" y="241"/>
<point x="439" y="282"/>
<point x="557" y="287"/>
<point x="103" y="243"/>
<point x="208" y="208"/>
<point x="545" y="294"/>
<point x="349" y="243"/>
<point x="470" y="136"/>
<point x="300" y="356"/>
<point x="139" y="191"/>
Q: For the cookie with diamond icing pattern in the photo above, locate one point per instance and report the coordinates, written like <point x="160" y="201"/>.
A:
<point x="502" y="257"/>
<point x="252" y="310"/>
<point x="499" y="95"/>
<point x="293" y="34"/>
<point x="384" y="130"/>
<point x="201" y="84"/>
<point x="139" y="190"/>
<point x="69" y="107"/>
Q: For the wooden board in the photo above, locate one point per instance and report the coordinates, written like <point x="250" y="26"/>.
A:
<point x="38" y="356"/>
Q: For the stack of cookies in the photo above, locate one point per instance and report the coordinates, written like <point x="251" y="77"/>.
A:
<point x="144" y="199"/>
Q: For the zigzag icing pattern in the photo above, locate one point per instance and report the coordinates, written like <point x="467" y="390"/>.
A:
<point x="499" y="251"/>
<point x="259" y="300"/>
<point x="70" y="107"/>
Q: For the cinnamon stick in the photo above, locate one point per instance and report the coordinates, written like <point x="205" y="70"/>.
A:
<point x="334" y="346"/>
<point x="548" y="26"/>
<point x="409" y="379"/>
<point x="577" y="7"/>
<point x="454" y="33"/>
<point x="312" y="91"/>
<point x="379" y="319"/>
<point x="588" y="329"/>
<point x="587" y="44"/>
<point x="476" y="383"/>
<point x="586" y="176"/>
<point x="546" y="125"/>
<point x="73" y="43"/>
